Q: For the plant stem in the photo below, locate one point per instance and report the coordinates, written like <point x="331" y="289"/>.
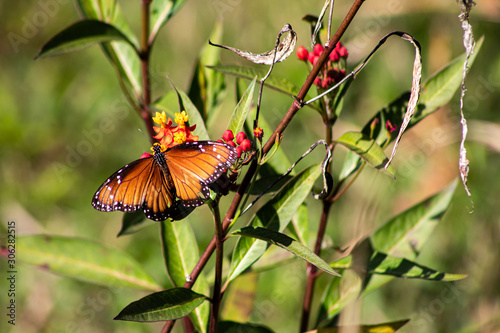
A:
<point x="312" y="270"/>
<point x="144" y="56"/>
<point x="219" y="246"/>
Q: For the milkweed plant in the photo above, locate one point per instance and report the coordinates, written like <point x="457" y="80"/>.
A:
<point x="259" y="206"/>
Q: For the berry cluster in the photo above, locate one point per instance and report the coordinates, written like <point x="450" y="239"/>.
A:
<point x="242" y="144"/>
<point x="333" y="70"/>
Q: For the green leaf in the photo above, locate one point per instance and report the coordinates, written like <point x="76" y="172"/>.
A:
<point x="133" y="222"/>
<point x="127" y="65"/>
<point x="84" y="260"/>
<point x="161" y="11"/>
<point x="233" y="327"/>
<point x="239" y="300"/>
<point x="240" y="113"/>
<point x="208" y="88"/>
<point x="124" y="58"/>
<point x="338" y="294"/>
<point x="180" y="252"/>
<point x="274" y="215"/>
<point x="405" y="234"/>
<point x="338" y="102"/>
<point x="194" y="115"/>
<point x="381" y="263"/>
<point x="81" y="35"/>
<point x="262" y="183"/>
<point x="440" y="88"/>
<point x="279" y="84"/>
<point x="287" y="243"/>
<point x="163" y="305"/>
<point x="107" y="11"/>
<point x="170" y="101"/>
<point x="352" y="163"/>
<point x="300" y="223"/>
<point x="367" y="149"/>
<point x="389" y="327"/>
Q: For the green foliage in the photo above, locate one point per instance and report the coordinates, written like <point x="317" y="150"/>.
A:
<point x="287" y="243"/>
<point x="81" y="35"/>
<point x="84" y="260"/>
<point x="274" y="215"/>
<point x="162" y="306"/>
<point x="180" y="252"/>
<point x="367" y="149"/>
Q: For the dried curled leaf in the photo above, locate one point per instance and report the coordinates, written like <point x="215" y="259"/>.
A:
<point x="280" y="52"/>
<point x="414" y="95"/>
<point x="468" y="39"/>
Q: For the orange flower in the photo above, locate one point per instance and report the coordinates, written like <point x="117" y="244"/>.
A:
<point x="171" y="136"/>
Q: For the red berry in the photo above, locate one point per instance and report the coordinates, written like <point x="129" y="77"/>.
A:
<point x="239" y="151"/>
<point x="228" y="135"/>
<point x="310" y="57"/>
<point x="343" y="52"/>
<point x="334" y="56"/>
<point x="231" y="143"/>
<point x="246" y="145"/>
<point x="315" y="60"/>
<point x="302" y="53"/>
<point x="240" y="137"/>
<point x="318" y="48"/>
<point x="317" y="81"/>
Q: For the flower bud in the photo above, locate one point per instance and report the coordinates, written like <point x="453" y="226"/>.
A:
<point x="318" y="48"/>
<point x="302" y="53"/>
<point x="343" y="52"/>
<point x="246" y="145"/>
<point x="240" y="137"/>
<point x="334" y="56"/>
<point x="310" y="57"/>
<point x="258" y="132"/>
<point x="231" y="143"/>
<point x="228" y="135"/>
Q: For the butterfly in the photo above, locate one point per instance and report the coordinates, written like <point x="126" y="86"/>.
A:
<point x="168" y="184"/>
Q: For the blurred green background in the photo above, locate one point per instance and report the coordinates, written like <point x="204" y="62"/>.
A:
<point x="51" y="162"/>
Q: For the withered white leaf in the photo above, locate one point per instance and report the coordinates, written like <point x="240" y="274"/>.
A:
<point x="414" y="95"/>
<point x="280" y="52"/>
<point x="468" y="40"/>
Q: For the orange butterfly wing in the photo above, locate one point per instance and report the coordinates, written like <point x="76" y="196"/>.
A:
<point x="153" y="183"/>
<point x="195" y="165"/>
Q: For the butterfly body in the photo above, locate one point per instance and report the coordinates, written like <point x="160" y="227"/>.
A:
<point x="167" y="184"/>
